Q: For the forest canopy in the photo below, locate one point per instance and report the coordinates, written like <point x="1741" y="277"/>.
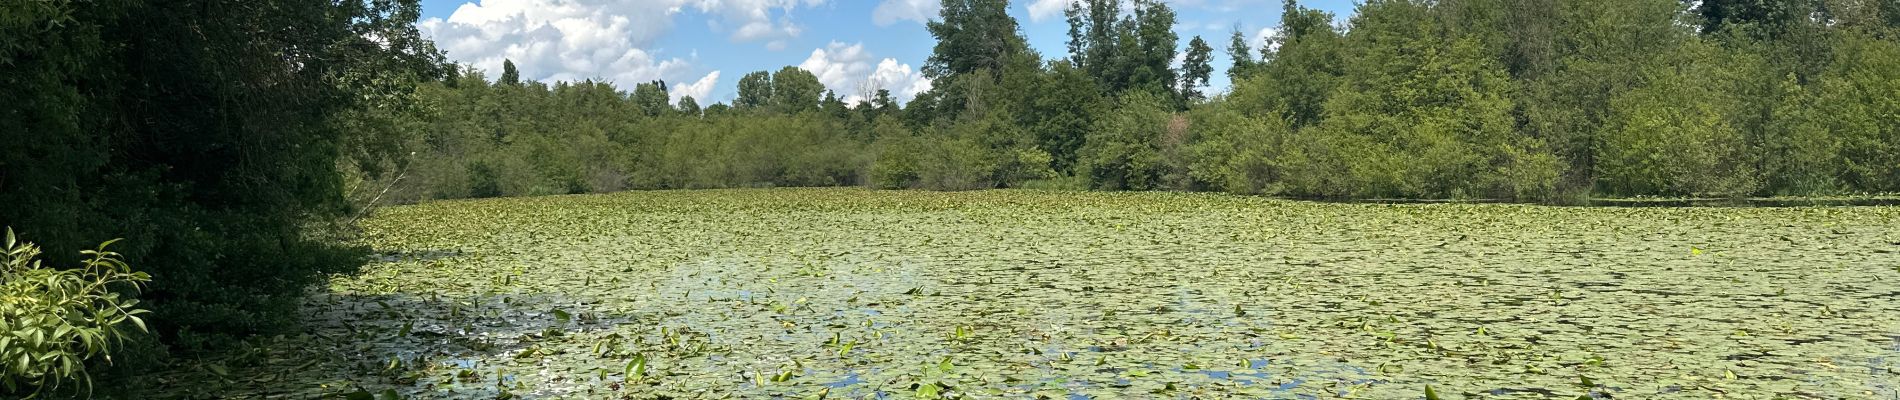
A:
<point x="1537" y="101"/>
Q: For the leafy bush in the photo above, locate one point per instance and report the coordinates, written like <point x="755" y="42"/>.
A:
<point x="52" y="322"/>
<point x="1863" y="97"/>
<point x="1123" y="152"/>
<point x="955" y="164"/>
<point x="1680" y="134"/>
<point x="898" y="163"/>
<point x="1236" y="153"/>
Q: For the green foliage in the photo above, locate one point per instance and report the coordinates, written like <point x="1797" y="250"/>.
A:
<point x="1195" y="70"/>
<point x="1859" y="99"/>
<point x="1126" y="149"/>
<point x="688" y="106"/>
<point x="755" y="90"/>
<point x="1542" y="100"/>
<point x="509" y="75"/>
<point x="1600" y="50"/>
<point x="936" y="163"/>
<point x="795" y="90"/>
<point x="1062" y="113"/>
<point x="213" y="148"/>
<point x="54" y="322"/>
<point x="1147" y="57"/>
<point x="1242" y="55"/>
<point x="1532" y="101"/>
<point x="1426" y="116"/>
<point x="1235" y="153"/>
<point x="1800" y="153"/>
<point x="1681" y="133"/>
<point x="1128" y="52"/>
<point x="651" y="98"/>
<point x="1768" y="17"/>
<point x="973" y="35"/>
<point x="1301" y="73"/>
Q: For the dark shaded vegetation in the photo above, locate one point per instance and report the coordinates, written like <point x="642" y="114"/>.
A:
<point x="208" y="135"/>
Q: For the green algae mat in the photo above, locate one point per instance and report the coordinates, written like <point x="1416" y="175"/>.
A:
<point x="846" y="293"/>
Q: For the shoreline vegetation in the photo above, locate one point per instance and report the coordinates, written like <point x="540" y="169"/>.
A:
<point x="1534" y="101"/>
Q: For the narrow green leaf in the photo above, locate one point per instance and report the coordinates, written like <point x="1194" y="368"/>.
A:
<point x="637" y="368"/>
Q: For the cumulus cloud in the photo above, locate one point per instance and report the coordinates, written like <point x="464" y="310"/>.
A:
<point x="699" y="90"/>
<point x="597" y="39"/>
<point x="1042" y="10"/>
<point x="891" y="11"/>
<point x="849" y="70"/>
<point x="904" y="82"/>
<point x="1264" y="39"/>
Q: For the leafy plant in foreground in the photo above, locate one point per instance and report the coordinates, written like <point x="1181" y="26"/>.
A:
<point x="52" y="321"/>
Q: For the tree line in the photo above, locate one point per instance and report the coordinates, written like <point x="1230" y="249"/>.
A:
<point x="1536" y="100"/>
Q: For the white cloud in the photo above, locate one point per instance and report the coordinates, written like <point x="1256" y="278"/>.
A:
<point x="838" y="65"/>
<point x="700" y="90"/>
<point x="1264" y="39"/>
<point x="597" y="39"/>
<point x="903" y="82"/>
<point x="1042" y="10"/>
<point x="848" y="70"/>
<point x="891" y="11"/>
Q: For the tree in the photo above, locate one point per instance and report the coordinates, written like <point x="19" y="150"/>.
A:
<point x="1764" y="17"/>
<point x="1681" y="134"/>
<point x="795" y="90"/>
<point x="1858" y="100"/>
<point x="1890" y="13"/>
<point x="1095" y="39"/>
<point x="1195" y="70"/>
<point x="1149" y="61"/>
<point x="883" y="104"/>
<point x="1235" y="153"/>
<point x="1123" y="151"/>
<point x="1600" y="50"/>
<point x="221" y="187"/>
<point x="755" y="90"/>
<point x="1076" y="14"/>
<point x="976" y="39"/>
<point x="1419" y="114"/>
<point x="1300" y="75"/>
<point x="651" y="98"/>
<point x="835" y="107"/>
<point x="689" y="106"/>
<point x="1062" y="112"/>
<point x="1125" y="52"/>
<point x="1243" y="57"/>
<point x="1800" y="149"/>
<point x="509" y="75"/>
<point x="973" y="35"/>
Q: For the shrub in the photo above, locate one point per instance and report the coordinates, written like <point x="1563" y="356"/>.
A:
<point x="52" y="322"/>
<point x="956" y="164"/>
<point x="1236" y="153"/>
<point x="1123" y="153"/>
<point x="897" y="163"/>
<point x="1680" y="134"/>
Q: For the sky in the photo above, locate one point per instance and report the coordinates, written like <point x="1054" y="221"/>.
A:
<point x="702" y="47"/>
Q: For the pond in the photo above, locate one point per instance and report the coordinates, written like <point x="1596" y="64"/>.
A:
<point x="849" y="293"/>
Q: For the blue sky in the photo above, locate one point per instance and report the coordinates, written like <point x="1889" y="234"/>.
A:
<point x="702" y="47"/>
